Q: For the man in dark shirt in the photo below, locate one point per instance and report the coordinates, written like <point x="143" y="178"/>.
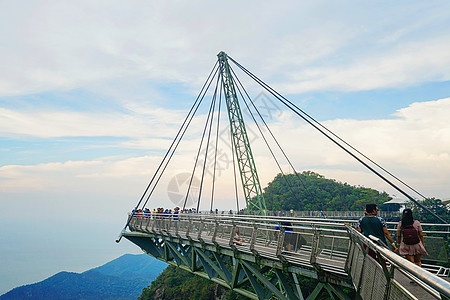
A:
<point x="370" y="224"/>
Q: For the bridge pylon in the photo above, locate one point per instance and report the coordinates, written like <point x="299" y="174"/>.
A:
<point x="249" y="176"/>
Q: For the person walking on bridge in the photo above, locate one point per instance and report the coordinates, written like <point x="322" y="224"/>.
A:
<point x="410" y="238"/>
<point x="371" y="224"/>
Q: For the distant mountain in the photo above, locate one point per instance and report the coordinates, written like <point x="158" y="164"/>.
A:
<point x="133" y="266"/>
<point x="122" y="278"/>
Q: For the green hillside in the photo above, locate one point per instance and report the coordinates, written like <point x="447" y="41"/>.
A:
<point x="177" y="284"/>
<point x="312" y="191"/>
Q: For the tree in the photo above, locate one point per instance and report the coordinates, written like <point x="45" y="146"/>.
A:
<point x="174" y="283"/>
<point x="436" y="206"/>
<point x="312" y="191"/>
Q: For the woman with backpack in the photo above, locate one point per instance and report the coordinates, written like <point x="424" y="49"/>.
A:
<point x="410" y="238"/>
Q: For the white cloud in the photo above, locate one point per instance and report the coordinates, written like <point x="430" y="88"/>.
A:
<point x="413" y="145"/>
<point x="49" y="124"/>
<point x="408" y="64"/>
<point x="65" y="45"/>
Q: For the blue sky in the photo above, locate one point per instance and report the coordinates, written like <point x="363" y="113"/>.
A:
<point x="91" y="94"/>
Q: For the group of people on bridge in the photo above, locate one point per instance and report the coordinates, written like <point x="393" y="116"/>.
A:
<point x="160" y="212"/>
<point x="169" y="212"/>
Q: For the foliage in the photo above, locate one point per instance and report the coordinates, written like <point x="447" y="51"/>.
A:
<point x="436" y="206"/>
<point x="312" y="191"/>
<point x="175" y="283"/>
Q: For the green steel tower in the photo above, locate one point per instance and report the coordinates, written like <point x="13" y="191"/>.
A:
<point x="247" y="168"/>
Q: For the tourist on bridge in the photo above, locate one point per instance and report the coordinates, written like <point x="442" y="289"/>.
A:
<point x="237" y="240"/>
<point x="289" y="237"/>
<point x="410" y="238"/>
<point x="176" y="211"/>
<point x="371" y="224"/>
<point x="146" y="212"/>
<point x="167" y="213"/>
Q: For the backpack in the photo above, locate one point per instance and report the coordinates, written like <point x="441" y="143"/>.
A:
<point x="410" y="235"/>
<point x="286" y="226"/>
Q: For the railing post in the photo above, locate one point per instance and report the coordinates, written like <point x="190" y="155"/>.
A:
<point x="332" y="246"/>
<point x="168" y="223"/>
<point x="147" y="225"/>
<point x="253" y="237"/>
<point x="130" y="224"/>
<point x="188" y="227"/>
<point x="158" y="222"/>
<point x="280" y="244"/>
<point x="154" y="223"/>
<point x="216" y="228"/>
<point x="199" y="236"/>
<point x="315" y="246"/>
<point x="233" y="233"/>
<point x="177" y="224"/>
<point x="164" y="223"/>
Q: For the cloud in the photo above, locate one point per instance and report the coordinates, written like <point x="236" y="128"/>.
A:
<point x="50" y="124"/>
<point x="413" y="144"/>
<point x="85" y="177"/>
<point x="408" y="64"/>
<point x="74" y="44"/>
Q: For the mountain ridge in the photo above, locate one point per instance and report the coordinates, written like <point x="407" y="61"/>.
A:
<point x="121" y="278"/>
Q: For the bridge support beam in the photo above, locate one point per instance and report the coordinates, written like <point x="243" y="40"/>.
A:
<point x="331" y="290"/>
<point x="248" y="277"/>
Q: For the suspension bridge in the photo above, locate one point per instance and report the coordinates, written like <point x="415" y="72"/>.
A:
<point x="251" y="253"/>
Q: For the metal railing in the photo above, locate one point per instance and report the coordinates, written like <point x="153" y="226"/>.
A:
<point x="315" y="245"/>
<point x="385" y="275"/>
<point x="331" y="214"/>
<point x="435" y="239"/>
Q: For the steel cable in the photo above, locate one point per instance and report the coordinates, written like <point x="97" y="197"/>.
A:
<point x="313" y="123"/>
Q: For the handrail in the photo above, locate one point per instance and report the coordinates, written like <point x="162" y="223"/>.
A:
<point x="435" y="282"/>
<point x="293" y="219"/>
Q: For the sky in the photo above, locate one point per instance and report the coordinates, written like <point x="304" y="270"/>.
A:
<point x="93" y="92"/>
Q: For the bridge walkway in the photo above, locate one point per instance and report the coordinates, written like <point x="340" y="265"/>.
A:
<point x="254" y="257"/>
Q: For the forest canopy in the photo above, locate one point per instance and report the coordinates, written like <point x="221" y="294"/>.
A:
<point x="311" y="191"/>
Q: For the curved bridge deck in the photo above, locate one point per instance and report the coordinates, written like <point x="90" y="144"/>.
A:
<point x="254" y="256"/>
